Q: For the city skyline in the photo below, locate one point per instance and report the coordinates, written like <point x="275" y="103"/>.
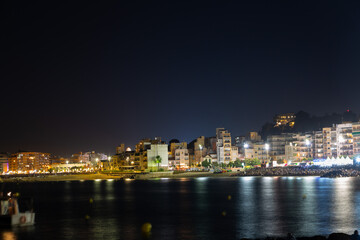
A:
<point x="90" y="76"/>
<point x="265" y="135"/>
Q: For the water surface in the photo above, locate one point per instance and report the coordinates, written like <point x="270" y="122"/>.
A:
<point x="191" y="208"/>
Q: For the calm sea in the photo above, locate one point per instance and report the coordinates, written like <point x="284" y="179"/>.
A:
<point x="202" y="208"/>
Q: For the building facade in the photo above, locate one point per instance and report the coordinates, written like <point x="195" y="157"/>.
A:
<point x="29" y="161"/>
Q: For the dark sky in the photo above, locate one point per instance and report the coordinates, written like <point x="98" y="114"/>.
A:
<point x="88" y="76"/>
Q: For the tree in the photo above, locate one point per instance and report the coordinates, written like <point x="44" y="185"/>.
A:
<point x="231" y="164"/>
<point x="206" y="163"/>
<point x="252" y="162"/>
<point x="237" y="163"/>
<point x="215" y="164"/>
<point x="158" y="160"/>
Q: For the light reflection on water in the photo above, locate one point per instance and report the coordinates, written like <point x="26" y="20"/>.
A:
<point x="191" y="208"/>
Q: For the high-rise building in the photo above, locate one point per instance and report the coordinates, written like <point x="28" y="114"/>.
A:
<point x="29" y="161"/>
<point x="277" y="145"/>
<point x="344" y="139"/>
<point x="223" y="145"/>
<point x="318" y="145"/>
<point x="356" y="138"/>
<point x="4" y="162"/>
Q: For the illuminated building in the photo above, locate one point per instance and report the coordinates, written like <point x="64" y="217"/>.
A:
<point x="303" y="146"/>
<point x="318" y="144"/>
<point x="4" y="162"/>
<point x="178" y="155"/>
<point x="223" y="145"/>
<point x="344" y="139"/>
<point x="80" y="158"/>
<point x="356" y="138"/>
<point x="277" y="145"/>
<point x="256" y="150"/>
<point x="29" y="161"/>
<point x="181" y="160"/>
<point x="329" y="142"/>
<point x="157" y="150"/>
<point x="283" y="120"/>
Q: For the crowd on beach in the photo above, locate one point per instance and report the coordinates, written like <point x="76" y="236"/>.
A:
<point x="331" y="172"/>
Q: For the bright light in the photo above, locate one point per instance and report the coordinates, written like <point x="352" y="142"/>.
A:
<point x="246" y="145"/>
<point x="307" y="142"/>
<point x="267" y="146"/>
<point x="341" y="139"/>
<point x="67" y="162"/>
<point x="109" y="158"/>
<point x="200" y="146"/>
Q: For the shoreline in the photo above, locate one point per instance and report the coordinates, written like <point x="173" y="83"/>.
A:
<point x="149" y="176"/>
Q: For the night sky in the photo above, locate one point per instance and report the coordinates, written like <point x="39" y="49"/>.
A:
<point x="86" y="76"/>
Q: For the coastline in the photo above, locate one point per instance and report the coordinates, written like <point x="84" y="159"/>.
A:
<point x="150" y="176"/>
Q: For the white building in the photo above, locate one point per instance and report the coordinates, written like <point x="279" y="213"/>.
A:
<point x="158" y="150"/>
<point x="356" y="138"/>
<point x="223" y="145"/>
<point x="344" y="139"/>
<point x="181" y="159"/>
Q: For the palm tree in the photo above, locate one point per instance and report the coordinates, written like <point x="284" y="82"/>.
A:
<point x="158" y="160"/>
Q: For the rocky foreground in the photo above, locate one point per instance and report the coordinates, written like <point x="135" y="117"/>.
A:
<point x="331" y="172"/>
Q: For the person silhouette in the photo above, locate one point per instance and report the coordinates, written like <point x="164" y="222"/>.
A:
<point x="355" y="236"/>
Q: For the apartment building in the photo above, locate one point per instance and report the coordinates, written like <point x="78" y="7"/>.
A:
<point x="29" y="161"/>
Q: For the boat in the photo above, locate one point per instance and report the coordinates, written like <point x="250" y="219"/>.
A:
<point x="16" y="211"/>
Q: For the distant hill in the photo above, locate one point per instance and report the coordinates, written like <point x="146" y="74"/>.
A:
<point x="304" y="122"/>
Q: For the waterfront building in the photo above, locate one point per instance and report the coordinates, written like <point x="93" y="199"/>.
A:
<point x="303" y="146"/>
<point x="174" y="146"/>
<point x="199" y="150"/>
<point x="181" y="158"/>
<point x="257" y="150"/>
<point x="234" y="153"/>
<point x="157" y="150"/>
<point x="29" y="161"/>
<point x="318" y="145"/>
<point x="223" y="145"/>
<point x="329" y="142"/>
<point x="80" y="158"/>
<point x="277" y="145"/>
<point x="58" y="160"/>
<point x="344" y="139"/>
<point x="356" y="138"/>
<point x="4" y="162"/>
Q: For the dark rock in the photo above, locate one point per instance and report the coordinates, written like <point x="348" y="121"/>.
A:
<point x="339" y="236"/>
<point x="312" y="238"/>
